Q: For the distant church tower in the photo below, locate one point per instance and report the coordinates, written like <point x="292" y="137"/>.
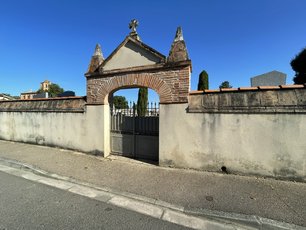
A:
<point x="45" y="85"/>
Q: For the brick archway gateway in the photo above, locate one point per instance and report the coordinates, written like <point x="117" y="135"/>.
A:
<point x="137" y="80"/>
<point x="171" y="84"/>
<point x="135" y="64"/>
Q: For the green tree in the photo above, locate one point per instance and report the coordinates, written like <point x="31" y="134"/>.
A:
<point x="203" y="81"/>
<point x="40" y="91"/>
<point x="54" y="90"/>
<point x="298" y="64"/>
<point x="142" y="101"/>
<point x="120" y="102"/>
<point x="225" y="84"/>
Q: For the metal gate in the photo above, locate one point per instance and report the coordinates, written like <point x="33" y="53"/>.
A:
<point x="135" y="136"/>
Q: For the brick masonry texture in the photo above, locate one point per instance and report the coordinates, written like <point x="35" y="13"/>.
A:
<point x="178" y="52"/>
<point x="170" y="82"/>
<point x="94" y="63"/>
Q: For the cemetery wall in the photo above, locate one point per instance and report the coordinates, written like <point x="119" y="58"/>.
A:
<point x="63" y="122"/>
<point x="254" y="131"/>
<point x="259" y="131"/>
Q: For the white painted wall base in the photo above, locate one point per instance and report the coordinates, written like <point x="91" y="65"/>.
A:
<point x="262" y="144"/>
<point x="78" y="131"/>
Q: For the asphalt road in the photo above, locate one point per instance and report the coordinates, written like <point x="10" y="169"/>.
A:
<point x="28" y="205"/>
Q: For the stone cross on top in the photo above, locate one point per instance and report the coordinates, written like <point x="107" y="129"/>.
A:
<point x="133" y="24"/>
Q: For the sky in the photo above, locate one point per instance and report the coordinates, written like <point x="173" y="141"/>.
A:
<point x="233" y="40"/>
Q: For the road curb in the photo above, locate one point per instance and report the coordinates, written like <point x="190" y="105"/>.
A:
<point x="189" y="217"/>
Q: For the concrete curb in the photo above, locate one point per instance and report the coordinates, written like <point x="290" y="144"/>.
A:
<point x="188" y="217"/>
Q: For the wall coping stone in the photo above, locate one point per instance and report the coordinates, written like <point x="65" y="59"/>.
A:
<point x="253" y="100"/>
<point x="257" y="88"/>
<point x="59" y="104"/>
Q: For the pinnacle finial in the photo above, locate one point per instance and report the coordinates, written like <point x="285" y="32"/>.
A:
<point x="179" y="34"/>
<point x="178" y="51"/>
<point x="98" y="51"/>
<point x="96" y="59"/>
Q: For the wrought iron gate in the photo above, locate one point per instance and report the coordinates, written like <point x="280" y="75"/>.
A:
<point x="135" y="136"/>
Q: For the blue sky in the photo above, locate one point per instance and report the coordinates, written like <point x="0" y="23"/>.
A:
<point x="231" y="39"/>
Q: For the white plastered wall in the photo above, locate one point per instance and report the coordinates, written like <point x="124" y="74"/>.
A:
<point x="131" y="55"/>
<point x="262" y="144"/>
<point x="85" y="132"/>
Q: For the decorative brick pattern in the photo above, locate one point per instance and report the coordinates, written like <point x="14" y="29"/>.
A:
<point x="170" y="82"/>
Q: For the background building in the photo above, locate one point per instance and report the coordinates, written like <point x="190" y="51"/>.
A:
<point x="270" y="78"/>
<point x="27" y="95"/>
<point x="5" y="97"/>
<point x="45" y="85"/>
<point x="30" y="95"/>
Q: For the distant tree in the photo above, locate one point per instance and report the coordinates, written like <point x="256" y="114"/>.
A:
<point x="225" y="84"/>
<point x="40" y="91"/>
<point x="142" y="101"/>
<point x="203" y="81"/>
<point x="134" y="107"/>
<point x="120" y="102"/>
<point x="298" y="64"/>
<point x="54" y="90"/>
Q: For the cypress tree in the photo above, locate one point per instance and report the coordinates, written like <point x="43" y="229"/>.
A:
<point x="203" y="81"/>
<point x="142" y="101"/>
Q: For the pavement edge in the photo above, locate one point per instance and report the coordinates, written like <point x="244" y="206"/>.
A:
<point x="188" y="217"/>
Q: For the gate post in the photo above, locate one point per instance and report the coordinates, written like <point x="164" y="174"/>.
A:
<point x="106" y="129"/>
<point x="134" y="130"/>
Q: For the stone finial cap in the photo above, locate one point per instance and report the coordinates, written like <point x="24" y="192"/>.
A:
<point x="98" y="51"/>
<point x="179" y="35"/>
<point x="96" y="60"/>
<point x="178" y="51"/>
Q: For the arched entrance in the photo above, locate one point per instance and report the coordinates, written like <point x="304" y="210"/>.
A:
<point x="135" y="64"/>
<point x="134" y="129"/>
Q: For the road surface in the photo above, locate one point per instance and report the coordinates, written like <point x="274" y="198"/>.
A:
<point x="28" y="205"/>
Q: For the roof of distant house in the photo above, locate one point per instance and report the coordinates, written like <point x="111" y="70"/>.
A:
<point x="8" y="97"/>
<point x="28" y="93"/>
